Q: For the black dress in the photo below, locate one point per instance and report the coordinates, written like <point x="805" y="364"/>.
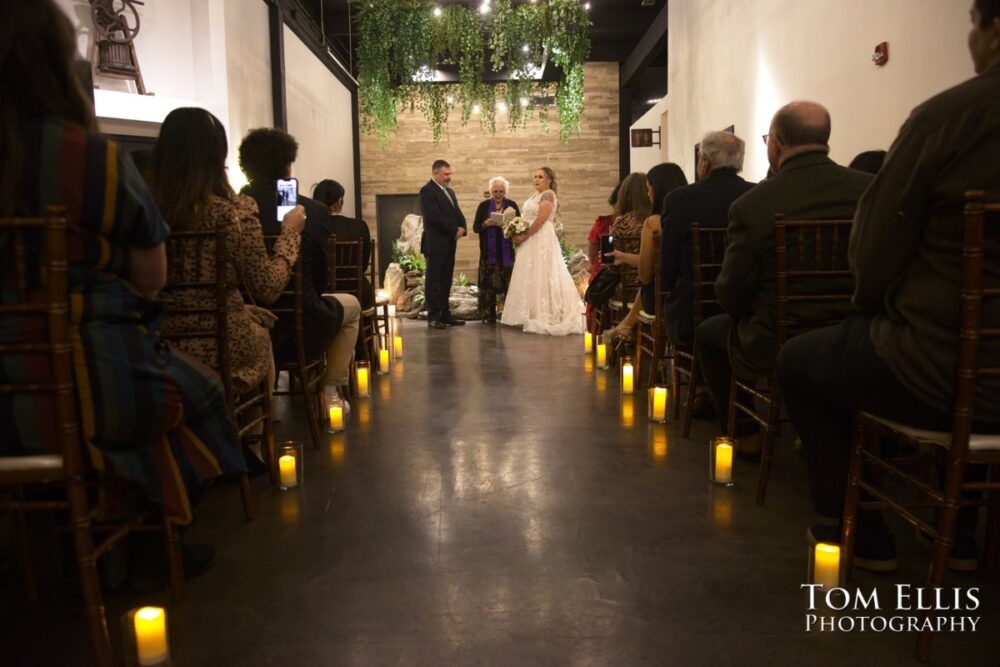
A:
<point x="496" y="258"/>
<point x="352" y="229"/>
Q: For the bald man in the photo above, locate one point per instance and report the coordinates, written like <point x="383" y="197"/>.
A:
<point x="807" y="185"/>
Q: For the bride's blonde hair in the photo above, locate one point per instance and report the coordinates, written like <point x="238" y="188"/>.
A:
<point x="551" y="175"/>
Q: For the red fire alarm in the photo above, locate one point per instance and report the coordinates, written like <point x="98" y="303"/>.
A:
<point x="881" y="55"/>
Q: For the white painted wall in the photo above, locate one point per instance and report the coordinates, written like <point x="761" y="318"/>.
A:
<point x="319" y="117"/>
<point x="644" y="159"/>
<point x="737" y="61"/>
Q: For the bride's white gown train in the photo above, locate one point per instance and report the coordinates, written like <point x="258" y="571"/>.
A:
<point x="542" y="296"/>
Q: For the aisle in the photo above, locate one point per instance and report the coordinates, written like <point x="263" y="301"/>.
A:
<point x="494" y="503"/>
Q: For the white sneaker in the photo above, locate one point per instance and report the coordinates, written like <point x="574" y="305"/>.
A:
<point x="330" y="392"/>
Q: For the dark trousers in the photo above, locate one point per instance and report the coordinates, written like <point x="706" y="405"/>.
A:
<point x="712" y="339"/>
<point x="827" y="374"/>
<point x="437" y="285"/>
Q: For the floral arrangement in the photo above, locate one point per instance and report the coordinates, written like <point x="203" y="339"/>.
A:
<point x="515" y="227"/>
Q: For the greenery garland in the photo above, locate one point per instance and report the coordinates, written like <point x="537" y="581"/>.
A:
<point x="401" y="42"/>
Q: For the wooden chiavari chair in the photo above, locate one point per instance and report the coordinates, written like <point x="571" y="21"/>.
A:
<point x="650" y="333"/>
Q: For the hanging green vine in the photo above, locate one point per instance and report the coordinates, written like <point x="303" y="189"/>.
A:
<point x="402" y="42"/>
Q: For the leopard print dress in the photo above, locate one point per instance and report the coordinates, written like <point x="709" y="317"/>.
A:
<point x="248" y="266"/>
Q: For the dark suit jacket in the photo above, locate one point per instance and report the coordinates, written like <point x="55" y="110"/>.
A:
<point x="441" y="220"/>
<point x="323" y="317"/>
<point x="808" y="186"/>
<point x="707" y="204"/>
<point x="906" y="244"/>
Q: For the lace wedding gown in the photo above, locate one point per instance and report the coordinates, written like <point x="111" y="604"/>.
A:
<point x="542" y="296"/>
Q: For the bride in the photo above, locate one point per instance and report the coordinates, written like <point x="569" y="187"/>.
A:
<point x="542" y="295"/>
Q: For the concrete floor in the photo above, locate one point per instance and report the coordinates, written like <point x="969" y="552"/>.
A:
<point x="497" y="503"/>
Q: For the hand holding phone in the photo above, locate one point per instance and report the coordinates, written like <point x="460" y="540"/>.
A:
<point x="295" y="219"/>
<point x="607" y="247"/>
<point x="287" y="195"/>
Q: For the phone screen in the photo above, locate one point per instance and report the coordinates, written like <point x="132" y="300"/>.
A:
<point x="288" y="194"/>
<point x="607" y="247"/>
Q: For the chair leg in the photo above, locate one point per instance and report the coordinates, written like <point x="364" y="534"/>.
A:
<point x="992" y="550"/>
<point x="944" y="540"/>
<point x="852" y="502"/>
<point x="767" y="450"/>
<point x="731" y="415"/>
<point x="90" y="584"/>
<point x="311" y="415"/>
<point x="246" y="494"/>
<point x="175" y="569"/>
<point x="24" y="548"/>
<point x="692" y="392"/>
<point x="268" y="446"/>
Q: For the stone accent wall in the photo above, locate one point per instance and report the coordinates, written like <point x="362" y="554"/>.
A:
<point x="586" y="167"/>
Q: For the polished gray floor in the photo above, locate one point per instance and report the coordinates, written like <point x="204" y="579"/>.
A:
<point x="497" y="503"/>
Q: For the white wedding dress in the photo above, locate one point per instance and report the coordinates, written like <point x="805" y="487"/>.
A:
<point x="542" y="296"/>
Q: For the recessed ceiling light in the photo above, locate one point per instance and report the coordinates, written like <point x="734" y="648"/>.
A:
<point x="484" y="8"/>
<point x="524" y="101"/>
<point x="437" y="11"/>
<point x="502" y="107"/>
<point x="476" y="108"/>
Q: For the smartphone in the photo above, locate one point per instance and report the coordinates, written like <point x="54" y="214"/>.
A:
<point x="288" y="195"/>
<point x="607" y="247"/>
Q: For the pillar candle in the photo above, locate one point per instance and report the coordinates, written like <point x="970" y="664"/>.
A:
<point x="588" y="343"/>
<point x="397" y="343"/>
<point x="627" y="378"/>
<point x="337" y="417"/>
<point x="659" y="412"/>
<point x="826" y="565"/>
<point x="363" y="389"/>
<point x="724" y="461"/>
<point x="286" y="468"/>
<point x="151" y="635"/>
<point x="383" y="360"/>
<point x="602" y="355"/>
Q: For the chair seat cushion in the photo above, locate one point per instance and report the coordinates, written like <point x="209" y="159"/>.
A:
<point x="35" y="462"/>
<point x="615" y="303"/>
<point x="646" y="317"/>
<point x="368" y="312"/>
<point x="977" y="442"/>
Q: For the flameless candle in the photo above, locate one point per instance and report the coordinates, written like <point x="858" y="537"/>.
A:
<point x="658" y="404"/>
<point x="723" y="461"/>
<point x="588" y="343"/>
<point x="151" y="635"/>
<point x="336" y="418"/>
<point x="627" y="377"/>
<point x="286" y="468"/>
<point x="383" y="361"/>
<point x="397" y="343"/>
<point x="602" y="355"/>
<point x="826" y="565"/>
<point x="364" y="390"/>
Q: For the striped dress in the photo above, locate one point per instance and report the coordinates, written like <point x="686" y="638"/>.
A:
<point x="148" y="413"/>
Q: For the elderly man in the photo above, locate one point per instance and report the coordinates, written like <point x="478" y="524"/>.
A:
<point x="706" y="203"/>
<point x="496" y="253"/>
<point x="807" y="185"/>
<point x="897" y="357"/>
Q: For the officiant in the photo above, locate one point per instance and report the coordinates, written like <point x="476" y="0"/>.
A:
<point x="496" y="253"/>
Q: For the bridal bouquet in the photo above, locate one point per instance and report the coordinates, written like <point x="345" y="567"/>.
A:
<point x="515" y="227"/>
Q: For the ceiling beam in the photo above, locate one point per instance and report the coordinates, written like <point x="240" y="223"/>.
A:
<point x="648" y="47"/>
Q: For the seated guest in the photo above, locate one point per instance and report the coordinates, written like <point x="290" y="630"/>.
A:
<point x="601" y="227"/>
<point x="331" y="193"/>
<point x="706" y="203"/>
<point x="634" y="206"/>
<point x="187" y="176"/>
<point x="148" y="413"/>
<point x="897" y="357"/>
<point x="496" y="253"/>
<point x="331" y="320"/>
<point x="807" y="185"/>
<point x="869" y="161"/>
<point x="661" y="180"/>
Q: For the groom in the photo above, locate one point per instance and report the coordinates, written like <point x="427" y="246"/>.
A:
<point x="444" y="224"/>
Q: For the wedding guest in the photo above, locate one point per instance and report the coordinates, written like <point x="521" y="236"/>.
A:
<point x="869" y="162"/>
<point x="148" y="413"/>
<point x="331" y="321"/>
<point x="807" y="184"/>
<point x="496" y="253"/>
<point x="444" y="225"/>
<point x="187" y="176"/>
<point x="601" y="227"/>
<point x="897" y="357"/>
<point x="331" y="193"/>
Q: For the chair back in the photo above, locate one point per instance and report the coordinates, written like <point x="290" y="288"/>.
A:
<point x="629" y="284"/>
<point x="980" y="286"/>
<point x="201" y="298"/>
<point x="34" y="326"/>
<point x="347" y="268"/>
<point x="290" y="301"/>
<point x="814" y="282"/>
<point x="657" y="282"/>
<point x="708" y="248"/>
